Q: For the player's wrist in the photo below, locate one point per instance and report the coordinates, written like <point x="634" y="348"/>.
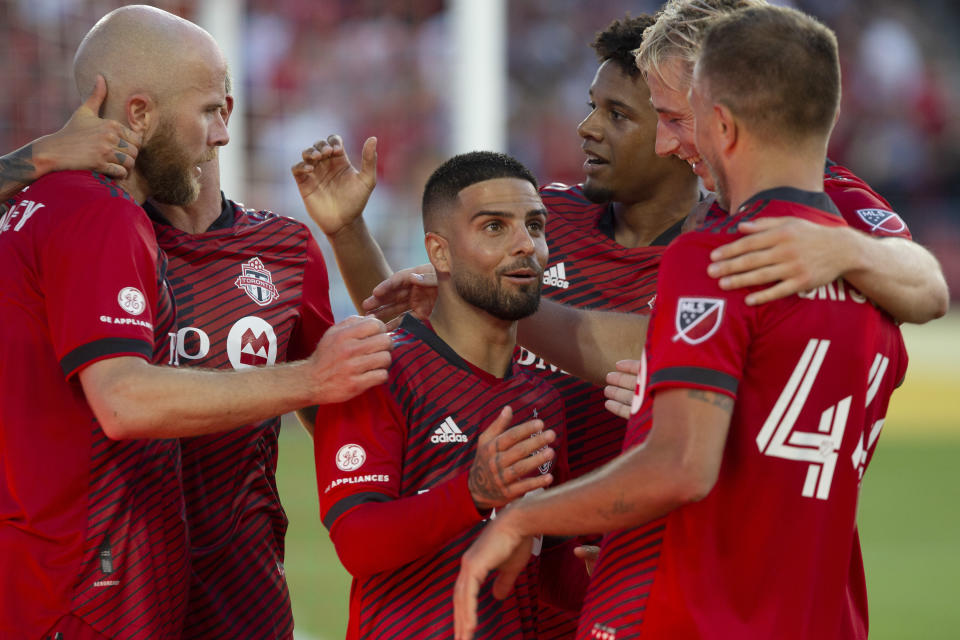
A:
<point x="353" y="228"/>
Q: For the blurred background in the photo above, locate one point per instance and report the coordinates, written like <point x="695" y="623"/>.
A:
<point x="304" y="69"/>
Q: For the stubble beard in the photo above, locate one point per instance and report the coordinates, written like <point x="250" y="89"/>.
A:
<point x="489" y="296"/>
<point x="597" y="194"/>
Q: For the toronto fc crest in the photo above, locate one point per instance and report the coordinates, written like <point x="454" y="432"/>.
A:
<point x="257" y="282"/>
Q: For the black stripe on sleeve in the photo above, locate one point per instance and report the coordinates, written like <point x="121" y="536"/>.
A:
<point x="698" y="376"/>
<point x="104" y="347"/>
<point x="350" y="502"/>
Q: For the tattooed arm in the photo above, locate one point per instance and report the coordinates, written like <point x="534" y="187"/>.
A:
<point x="85" y="142"/>
<point x="677" y="464"/>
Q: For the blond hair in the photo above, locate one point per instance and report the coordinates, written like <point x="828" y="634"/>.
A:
<point x="678" y="32"/>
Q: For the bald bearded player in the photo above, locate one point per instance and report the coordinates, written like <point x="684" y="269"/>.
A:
<point x="93" y="543"/>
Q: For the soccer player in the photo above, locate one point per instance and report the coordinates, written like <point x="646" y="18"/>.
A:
<point x="98" y="548"/>
<point x="761" y="420"/>
<point x="606" y="239"/>
<point x="408" y="471"/>
<point x="899" y="275"/>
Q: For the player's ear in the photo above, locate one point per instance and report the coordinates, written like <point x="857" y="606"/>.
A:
<point x="438" y="251"/>
<point x="727" y="127"/>
<point x="141" y="113"/>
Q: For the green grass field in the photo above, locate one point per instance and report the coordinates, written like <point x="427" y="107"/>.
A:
<point x="909" y="512"/>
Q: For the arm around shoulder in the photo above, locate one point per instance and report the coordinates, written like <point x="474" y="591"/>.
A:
<point x="900" y="276"/>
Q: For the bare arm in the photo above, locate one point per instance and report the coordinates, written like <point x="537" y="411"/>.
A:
<point x="85" y="142"/>
<point x="678" y="464"/>
<point x="134" y="399"/>
<point x="334" y="194"/>
<point x="585" y="343"/>
<point x="796" y="255"/>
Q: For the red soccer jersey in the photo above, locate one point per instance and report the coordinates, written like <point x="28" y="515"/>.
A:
<point x="406" y="447"/>
<point x="861" y="207"/>
<point x="588" y="269"/>
<point x="252" y="290"/>
<point x="770" y="551"/>
<point x="88" y="526"/>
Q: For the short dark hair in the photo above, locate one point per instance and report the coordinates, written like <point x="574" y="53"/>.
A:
<point x="620" y="39"/>
<point x="461" y="171"/>
<point x="776" y="68"/>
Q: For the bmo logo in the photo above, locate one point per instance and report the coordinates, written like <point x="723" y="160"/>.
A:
<point x="251" y="343"/>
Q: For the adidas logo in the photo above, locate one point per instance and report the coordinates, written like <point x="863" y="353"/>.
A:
<point x="556" y="276"/>
<point x="448" y="431"/>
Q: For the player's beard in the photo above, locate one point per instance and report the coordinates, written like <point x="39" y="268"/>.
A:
<point x="490" y="296"/>
<point x="597" y="194"/>
<point x="169" y="173"/>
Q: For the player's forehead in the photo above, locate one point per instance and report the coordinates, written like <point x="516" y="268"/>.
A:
<point x="508" y="195"/>
<point x="611" y="82"/>
<point x="669" y="87"/>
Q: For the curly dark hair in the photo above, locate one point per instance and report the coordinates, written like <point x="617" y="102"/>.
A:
<point x="620" y="39"/>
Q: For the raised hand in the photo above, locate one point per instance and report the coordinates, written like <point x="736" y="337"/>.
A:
<point x="413" y="289"/>
<point x="88" y="141"/>
<point x="505" y="458"/>
<point x="352" y="356"/>
<point x="333" y="190"/>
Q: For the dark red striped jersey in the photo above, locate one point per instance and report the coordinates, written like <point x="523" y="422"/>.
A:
<point x="772" y="550"/>
<point x="588" y="269"/>
<point x="250" y="291"/>
<point x="88" y="526"/>
<point x="404" y="449"/>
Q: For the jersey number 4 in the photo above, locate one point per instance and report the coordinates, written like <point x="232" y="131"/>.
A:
<point x="779" y="438"/>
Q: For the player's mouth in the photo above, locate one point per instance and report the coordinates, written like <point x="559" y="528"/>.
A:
<point x="594" y="162"/>
<point x="524" y="276"/>
<point x="697" y="164"/>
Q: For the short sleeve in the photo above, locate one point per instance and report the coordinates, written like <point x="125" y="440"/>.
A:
<point x="865" y="210"/>
<point x="316" y="316"/>
<point x="100" y="277"/>
<point x="358" y="447"/>
<point x="700" y="333"/>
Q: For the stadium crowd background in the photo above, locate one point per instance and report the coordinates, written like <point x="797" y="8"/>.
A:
<point x="380" y="67"/>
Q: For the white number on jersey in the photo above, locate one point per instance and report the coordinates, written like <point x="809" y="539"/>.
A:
<point x="779" y="439"/>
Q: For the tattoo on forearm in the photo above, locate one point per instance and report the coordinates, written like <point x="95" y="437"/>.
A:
<point x="716" y="399"/>
<point x="617" y="508"/>
<point x="486" y="492"/>
<point x="16" y="171"/>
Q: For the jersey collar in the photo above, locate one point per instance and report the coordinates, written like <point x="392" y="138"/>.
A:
<point x="813" y="199"/>
<point x="223" y="221"/>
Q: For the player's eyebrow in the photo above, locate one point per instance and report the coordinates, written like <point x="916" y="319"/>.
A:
<point x="507" y="214"/>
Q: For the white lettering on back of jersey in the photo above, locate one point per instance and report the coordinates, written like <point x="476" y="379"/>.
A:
<point x="836" y="291"/>
<point x="22" y="210"/>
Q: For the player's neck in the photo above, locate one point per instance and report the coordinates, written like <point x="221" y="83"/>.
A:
<point x="638" y="224"/>
<point x="763" y="171"/>
<point x="479" y="338"/>
<point x="136" y="185"/>
<point x="195" y="217"/>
